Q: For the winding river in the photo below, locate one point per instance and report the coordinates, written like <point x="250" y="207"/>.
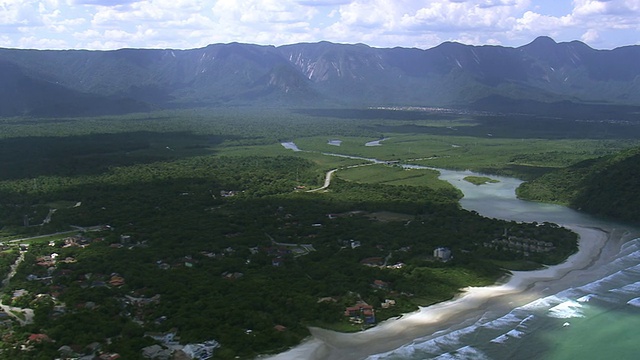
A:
<point x="585" y="308"/>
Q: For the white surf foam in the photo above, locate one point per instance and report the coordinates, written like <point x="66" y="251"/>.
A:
<point x="566" y="310"/>
<point x="585" y="298"/>
<point x="629" y="289"/>
<point x="634" y="302"/>
<point x="508" y="320"/>
<point x="465" y="353"/>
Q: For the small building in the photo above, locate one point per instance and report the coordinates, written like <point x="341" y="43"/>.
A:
<point x="372" y="261"/>
<point x="38" y="338"/>
<point x="116" y="281"/>
<point x="379" y="284"/>
<point x="442" y="253"/>
<point x="388" y="303"/>
<point x="109" y="356"/>
<point x="362" y="312"/>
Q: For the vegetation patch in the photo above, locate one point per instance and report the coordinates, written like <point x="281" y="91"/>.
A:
<point x="605" y="186"/>
<point x="386" y="216"/>
<point x="480" y="180"/>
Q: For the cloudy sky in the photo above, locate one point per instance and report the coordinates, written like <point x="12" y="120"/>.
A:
<point x="184" y="24"/>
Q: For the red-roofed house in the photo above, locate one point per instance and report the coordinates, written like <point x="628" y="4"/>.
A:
<point x="38" y="338"/>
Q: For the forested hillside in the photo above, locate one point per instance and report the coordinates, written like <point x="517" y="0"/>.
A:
<point x="84" y="83"/>
<point x="607" y="186"/>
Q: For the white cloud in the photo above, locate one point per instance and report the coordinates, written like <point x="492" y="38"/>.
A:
<point x="534" y="22"/>
<point x="257" y="12"/>
<point x="606" y="7"/>
<point x="19" y="13"/>
<point x="383" y="23"/>
<point x="590" y="36"/>
<point x="43" y="43"/>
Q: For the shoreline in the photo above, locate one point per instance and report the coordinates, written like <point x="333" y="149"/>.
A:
<point x="469" y="305"/>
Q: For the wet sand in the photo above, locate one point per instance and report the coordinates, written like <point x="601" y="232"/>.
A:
<point x="596" y="247"/>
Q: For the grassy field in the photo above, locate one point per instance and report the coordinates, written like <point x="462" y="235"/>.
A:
<point x="393" y="175"/>
<point x="524" y="158"/>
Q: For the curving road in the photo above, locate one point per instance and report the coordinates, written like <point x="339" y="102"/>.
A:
<point x="327" y="181"/>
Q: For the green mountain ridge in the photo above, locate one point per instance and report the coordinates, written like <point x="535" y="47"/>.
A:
<point x="320" y="74"/>
<point x="607" y="186"/>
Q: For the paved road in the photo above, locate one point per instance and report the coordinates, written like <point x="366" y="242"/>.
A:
<point x="43" y="236"/>
<point x="10" y="310"/>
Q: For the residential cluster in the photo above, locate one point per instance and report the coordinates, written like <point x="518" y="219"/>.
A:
<point x="132" y="305"/>
<point x="520" y="245"/>
<point x="169" y="347"/>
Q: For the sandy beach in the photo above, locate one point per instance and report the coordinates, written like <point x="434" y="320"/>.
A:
<point x="596" y="246"/>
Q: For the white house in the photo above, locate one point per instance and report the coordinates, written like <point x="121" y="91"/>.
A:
<point x="442" y="253"/>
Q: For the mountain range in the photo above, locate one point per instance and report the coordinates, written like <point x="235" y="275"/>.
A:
<point x="324" y="74"/>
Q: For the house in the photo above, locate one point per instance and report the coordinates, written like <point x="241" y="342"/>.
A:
<point x="225" y="193"/>
<point x="372" y="261"/>
<point x="116" y="281"/>
<point x="232" y="275"/>
<point x="109" y="356"/>
<point x="442" y="253"/>
<point x="168" y="338"/>
<point x="18" y="293"/>
<point x="379" y="284"/>
<point x="202" y="351"/>
<point x="327" y="299"/>
<point x="388" y="303"/>
<point x="369" y="316"/>
<point x="38" y="338"/>
<point x="68" y="260"/>
<point x="357" y="309"/>
<point x="156" y="352"/>
<point x="362" y="311"/>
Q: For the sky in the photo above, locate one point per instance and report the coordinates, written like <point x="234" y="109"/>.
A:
<point x="188" y="24"/>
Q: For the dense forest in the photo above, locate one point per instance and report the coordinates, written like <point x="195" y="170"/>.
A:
<point x="605" y="186"/>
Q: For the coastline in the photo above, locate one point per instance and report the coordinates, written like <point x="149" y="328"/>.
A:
<point x="595" y="246"/>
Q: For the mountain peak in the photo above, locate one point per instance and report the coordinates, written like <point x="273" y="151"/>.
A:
<point x="543" y="40"/>
<point x="541" y="43"/>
